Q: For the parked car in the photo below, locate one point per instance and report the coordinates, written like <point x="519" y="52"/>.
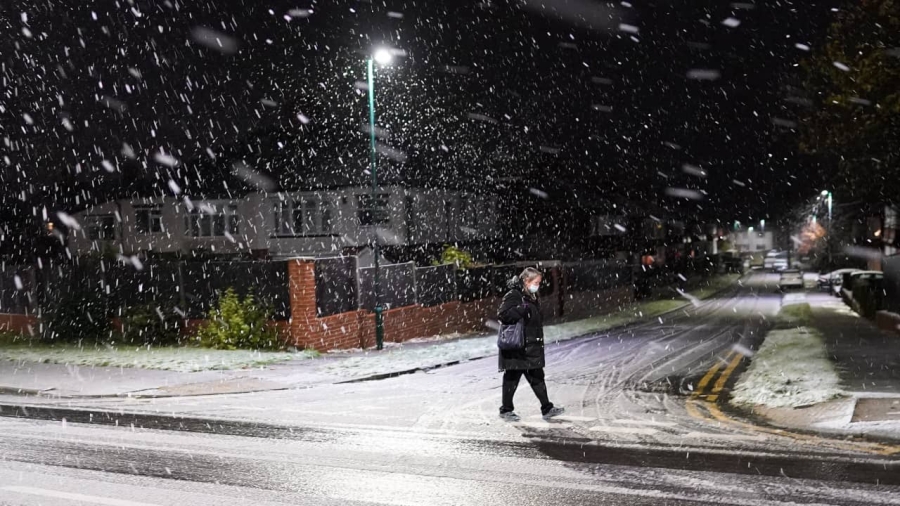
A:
<point x="863" y="291"/>
<point x="828" y="279"/>
<point x="790" y="278"/>
<point x="837" y="282"/>
<point x="848" y="278"/>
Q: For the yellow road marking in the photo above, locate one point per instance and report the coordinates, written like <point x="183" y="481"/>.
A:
<point x="692" y="406"/>
<point x="727" y="374"/>
<point x="709" y="376"/>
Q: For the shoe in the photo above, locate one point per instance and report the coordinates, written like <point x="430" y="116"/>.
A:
<point x="554" y="411"/>
<point x="510" y="416"/>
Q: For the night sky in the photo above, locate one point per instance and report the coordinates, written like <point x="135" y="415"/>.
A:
<point x="585" y="101"/>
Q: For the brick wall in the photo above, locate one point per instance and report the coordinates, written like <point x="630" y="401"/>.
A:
<point x="19" y="323"/>
<point x="888" y="321"/>
<point x="357" y="328"/>
<point x="306" y="329"/>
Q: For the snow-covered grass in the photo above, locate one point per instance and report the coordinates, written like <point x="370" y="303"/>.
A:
<point x="181" y="359"/>
<point x="793" y="316"/>
<point x="716" y="284"/>
<point x="791" y="368"/>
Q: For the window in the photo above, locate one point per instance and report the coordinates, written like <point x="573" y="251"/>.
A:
<point x="102" y="228"/>
<point x="370" y="214"/>
<point x="303" y="217"/>
<point x="287" y="219"/>
<point x="212" y="222"/>
<point x="148" y="219"/>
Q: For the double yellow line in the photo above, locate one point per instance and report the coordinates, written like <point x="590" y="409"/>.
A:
<point x="701" y="400"/>
<point x="733" y="359"/>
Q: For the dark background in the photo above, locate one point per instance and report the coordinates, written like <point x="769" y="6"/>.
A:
<point x="490" y="95"/>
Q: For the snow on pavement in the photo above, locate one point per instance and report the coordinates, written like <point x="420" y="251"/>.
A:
<point x="179" y="359"/>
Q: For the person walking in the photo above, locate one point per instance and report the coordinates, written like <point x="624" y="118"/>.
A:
<point x="522" y="303"/>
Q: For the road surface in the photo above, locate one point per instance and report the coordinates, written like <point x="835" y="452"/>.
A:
<point x="645" y="425"/>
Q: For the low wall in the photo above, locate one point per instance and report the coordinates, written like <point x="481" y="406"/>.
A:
<point x="20" y="323"/>
<point x="888" y="321"/>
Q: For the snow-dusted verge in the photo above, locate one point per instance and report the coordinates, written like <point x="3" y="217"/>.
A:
<point x="165" y="358"/>
<point x="791" y="369"/>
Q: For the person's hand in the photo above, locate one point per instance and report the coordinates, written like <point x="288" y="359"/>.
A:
<point x="526" y="311"/>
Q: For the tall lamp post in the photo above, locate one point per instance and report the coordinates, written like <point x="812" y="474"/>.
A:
<point x="828" y="241"/>
<point x="382" y="57"/>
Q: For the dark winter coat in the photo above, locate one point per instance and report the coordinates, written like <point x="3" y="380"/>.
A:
<point x="518" y="305"/>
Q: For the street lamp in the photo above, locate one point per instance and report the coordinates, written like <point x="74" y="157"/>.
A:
<point x="382" y="57"/>
<point x="830" y="239"/>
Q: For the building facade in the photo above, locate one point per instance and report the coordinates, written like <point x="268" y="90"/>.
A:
<point x="286" y="224"/>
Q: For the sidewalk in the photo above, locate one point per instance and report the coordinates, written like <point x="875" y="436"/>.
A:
<point x="67" y="380"/>
<point x="867" y="364"/>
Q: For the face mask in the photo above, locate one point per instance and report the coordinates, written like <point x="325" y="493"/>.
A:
<point x="533" y="288"/>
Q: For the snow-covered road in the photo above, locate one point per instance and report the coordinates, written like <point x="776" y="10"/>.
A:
<point x="657" y="384"/>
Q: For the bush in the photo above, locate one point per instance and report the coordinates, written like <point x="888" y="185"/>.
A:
<point x="76" y="312"/>
<point x="452" y="255"/>
<point x="8" y="337"/>
<point x="239" y="324"/>
<point x="153" y="324"/>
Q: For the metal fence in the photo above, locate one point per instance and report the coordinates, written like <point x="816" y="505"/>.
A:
<point x="397" y="284"/>
<point x="436" y="285"/>
<point x="16" y="289"/>
<point x="267" y="281"/>
<point x="596" y="275"/>
<point x="336" y="286"/>
<point x="190" y="287"/>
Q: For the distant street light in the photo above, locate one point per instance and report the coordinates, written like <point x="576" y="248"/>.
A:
<point x="382" y="57"/>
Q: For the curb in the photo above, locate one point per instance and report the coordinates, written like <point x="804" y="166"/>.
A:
<point x="818" y="466"/>
<point x="25" y="392"/>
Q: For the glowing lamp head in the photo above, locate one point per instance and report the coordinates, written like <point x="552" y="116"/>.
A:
<point x="383" y="56"/>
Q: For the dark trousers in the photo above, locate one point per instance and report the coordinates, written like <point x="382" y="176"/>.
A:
<point x="535" y="378"/>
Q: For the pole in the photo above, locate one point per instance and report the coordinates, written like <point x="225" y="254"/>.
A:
<point x="379" y="316"/>
<point x="830" y="231"/>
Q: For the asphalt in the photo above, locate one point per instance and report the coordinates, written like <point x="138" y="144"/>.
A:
<point x="53" y="463"/>
<point x="646" y="400"/>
